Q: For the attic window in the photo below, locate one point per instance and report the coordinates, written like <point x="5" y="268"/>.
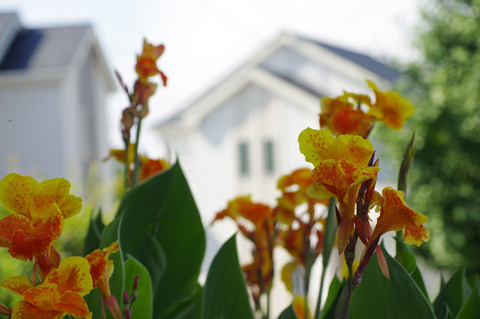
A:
<point x="243" y="159"/>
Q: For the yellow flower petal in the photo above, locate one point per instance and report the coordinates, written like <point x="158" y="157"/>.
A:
<point x="17" y="193"/>
<point x="18" y="284"/>
<point x="73" y="274"/>
<point x="390" y="107"/>
<point x="395" y="215"/>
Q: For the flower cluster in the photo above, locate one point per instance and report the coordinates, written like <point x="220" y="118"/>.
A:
<point x="344" y="168"/>
<point x="37" y="213"/>
<point x="345" y="114"/>
<point x="138" y="168"/>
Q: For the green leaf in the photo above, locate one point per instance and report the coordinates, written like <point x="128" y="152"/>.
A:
<point x="225" y="293"/>
<point x="417" y="276"/>
<point x="288" y="313"/>
<point x="453" y="294"/>
<point x="399" y="297"/>
<point x="334" y="291"/>
<point x="109" y="235"/>
<point x="405" y="256"/>
<point x="470" y="309"/>
<point x="162" y="219"/>
<point x="94" y="232"/>
<point x="330" y="232"/>
<point x="142" y="307"/>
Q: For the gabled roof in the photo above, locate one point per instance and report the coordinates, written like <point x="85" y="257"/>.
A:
<point x="290" y="64"/>
<point x="43" y="48"/>
<point x="369" y="63"/>
<point x="47" y="51"/>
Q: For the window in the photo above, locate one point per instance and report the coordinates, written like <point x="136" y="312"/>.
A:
<point x="268" y="156"/>
<point x="243" y="156"/>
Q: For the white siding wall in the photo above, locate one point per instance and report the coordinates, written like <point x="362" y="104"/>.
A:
<point x="30" y="128"/>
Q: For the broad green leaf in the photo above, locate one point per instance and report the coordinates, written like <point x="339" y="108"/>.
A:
<point x="190" y="308"/>
<point x="161" y="212"/>
<point x="453" y="294"/>
<point x="332" y="298"/>
<point x="330" y="232"/>
<point x="417" y="276"/>
<point x="470" y="309"/>
<point x="94" y="233"/>
<point x="142" y="307"/>
<point x="109" y="235"/>
<point x="225" y="293"/>
<point x="399" y="297"/>
<point x="288" y="313"/>
<point x="405" y="256"/>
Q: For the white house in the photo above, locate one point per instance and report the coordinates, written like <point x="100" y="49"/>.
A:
<point x="53" y="84"/>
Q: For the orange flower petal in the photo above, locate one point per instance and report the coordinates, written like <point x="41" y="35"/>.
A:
<point x="101" y="268"/>
<point x="73" y="274"/>
<point x="300" y="308"/>
<point x="73" y="304"/>
<point x="18" y="284"/>
<point x="390" y="107"/>
<point x="25" y="310"/>
<point x="395" y="215"/>
<point x="28" y="239"/>
<point x="43" y="296"/>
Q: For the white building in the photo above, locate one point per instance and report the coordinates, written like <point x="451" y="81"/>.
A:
<point x="53" y="84"/>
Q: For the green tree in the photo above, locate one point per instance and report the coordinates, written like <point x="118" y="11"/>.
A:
<point x="444" y="86"/>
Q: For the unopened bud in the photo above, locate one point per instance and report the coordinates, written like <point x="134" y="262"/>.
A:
<point x="126" y="300"/>
<point x="135" y="283"/>
<point x="127" y="314"/>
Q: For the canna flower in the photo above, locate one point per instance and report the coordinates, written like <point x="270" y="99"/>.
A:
<point x="146" y="66"/>
<point x="61" y="292"/>
<point x="37" y="214"/>
<point x="300" y="179"/>
<point x="102" y="268"/>
<point x="243" y="207"/>
<point x="390" y="108"/>
<point x="148" y="166"/>
<point x="395" y="215"/>
<point x="340" y="116"/>
<point x="259" y="274"/>
<point x="341" y="166"/>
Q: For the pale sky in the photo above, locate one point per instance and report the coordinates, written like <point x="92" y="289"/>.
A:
<point x="206" y="39"/>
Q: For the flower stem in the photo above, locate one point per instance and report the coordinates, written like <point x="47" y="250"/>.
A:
<point x="136" y="161"/>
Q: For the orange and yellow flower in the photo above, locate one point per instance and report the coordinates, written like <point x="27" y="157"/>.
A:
<point x="148" y="167"/>
<point x="147" y="62"/>
<point x="341" y="166"/>
<point x="390" y="108"/>
<point x="395" y="215"/>
<point x="340" y="116"/>
<point x="37" y="212"/>
<point x="102" y="268"/>
<point x="61" y="292"/>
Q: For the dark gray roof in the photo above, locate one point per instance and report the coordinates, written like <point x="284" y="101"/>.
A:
<point x="43" y="48"/>
<point x="363" y="60"/>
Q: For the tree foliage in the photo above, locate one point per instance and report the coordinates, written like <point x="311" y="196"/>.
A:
<point x="444" y="86"/>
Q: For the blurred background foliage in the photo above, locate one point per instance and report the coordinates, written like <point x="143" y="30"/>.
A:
<point x="444" y="86"/>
